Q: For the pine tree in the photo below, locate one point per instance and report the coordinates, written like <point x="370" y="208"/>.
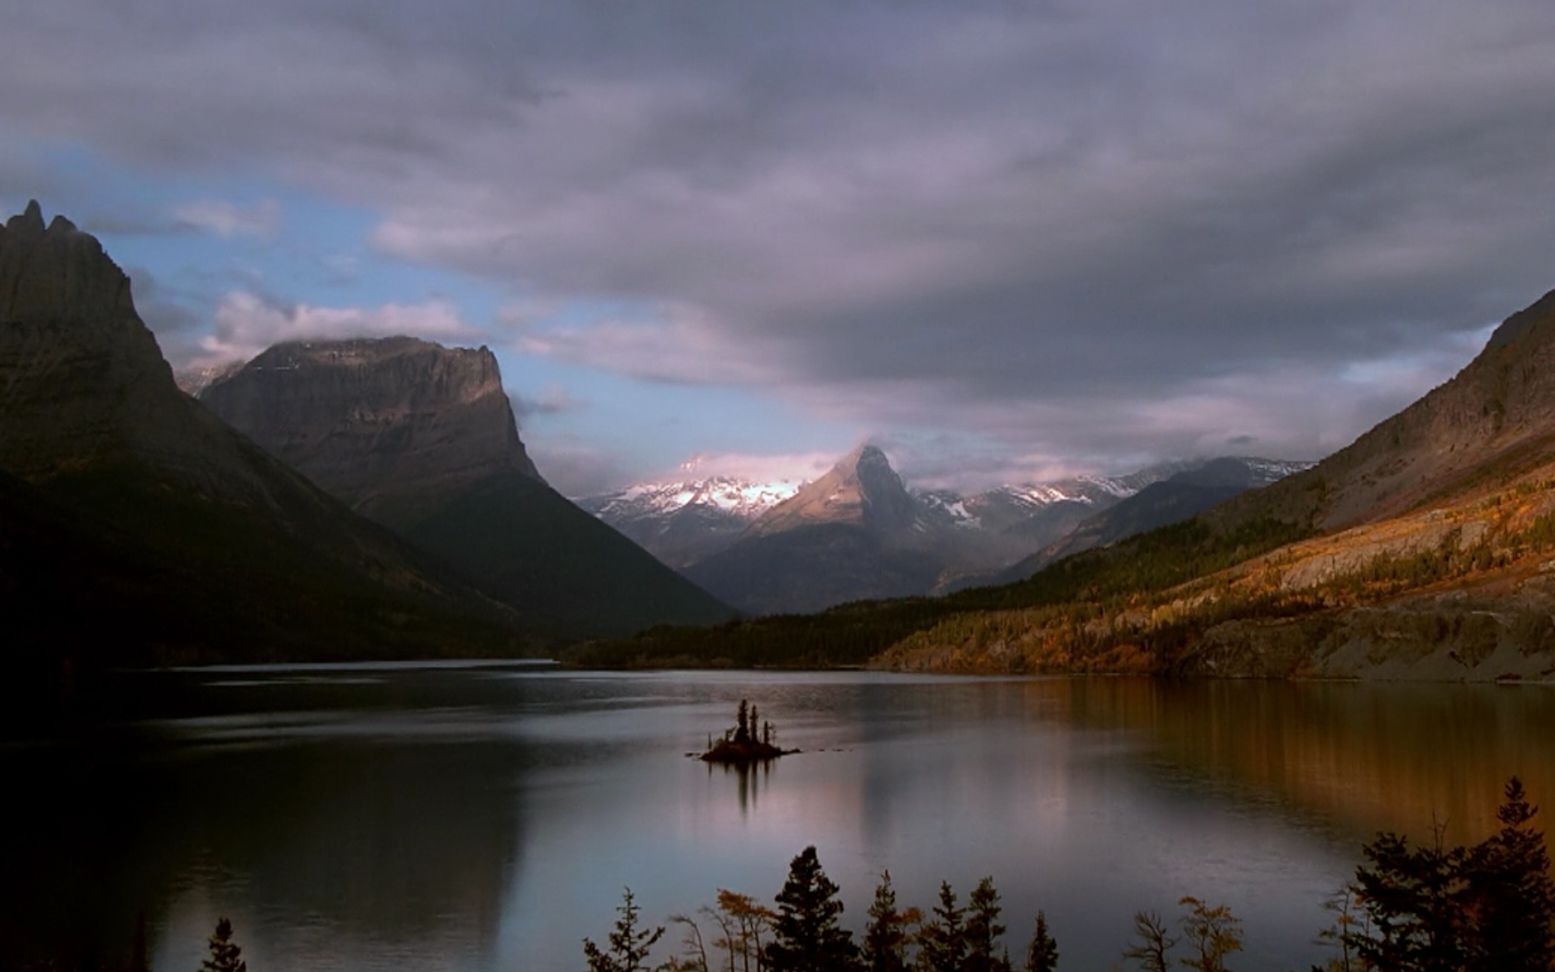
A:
<point x="982" y="928"/>
<point x="1042" y="953"/>
<point x="1415" y="902"/>
<point x="629" y="946"/>
<point x="1511" y="894"/>
<point x="885" y="940"/>
<point x="806" y="935"/>
<point x="225" y="954"/>
<point x="943" y="939"/>
<point x="742" y="722"/>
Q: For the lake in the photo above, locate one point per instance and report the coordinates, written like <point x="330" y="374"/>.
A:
<point x="487" y="817"/>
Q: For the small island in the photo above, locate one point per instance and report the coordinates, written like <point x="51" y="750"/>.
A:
<point x="743" y="744"/>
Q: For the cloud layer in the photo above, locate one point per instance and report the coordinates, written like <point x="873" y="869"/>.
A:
<point x="1035" y="233"/>
<point x="247" y="323"/>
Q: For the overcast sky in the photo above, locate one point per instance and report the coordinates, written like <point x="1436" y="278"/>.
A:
<point x="1005" y="239"/>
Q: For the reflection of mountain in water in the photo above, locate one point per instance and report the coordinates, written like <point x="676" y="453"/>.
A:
<point x="1368" y="757"/>
<point x="376" y="845"/>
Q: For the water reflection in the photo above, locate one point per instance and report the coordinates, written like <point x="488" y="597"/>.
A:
<point x="487" y="819"/>
<point x="748" y="778"/>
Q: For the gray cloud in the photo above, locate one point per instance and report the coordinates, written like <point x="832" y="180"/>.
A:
<point x="1073" y="231"/>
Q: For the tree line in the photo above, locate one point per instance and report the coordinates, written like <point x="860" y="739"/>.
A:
<point x="1489" y="907"/>
<point x="1429" y="907"/>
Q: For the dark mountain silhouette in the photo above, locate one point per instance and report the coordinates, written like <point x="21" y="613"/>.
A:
<point x="140" y="528"/>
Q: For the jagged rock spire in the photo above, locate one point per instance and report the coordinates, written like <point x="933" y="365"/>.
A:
<point x="58" y="273"/>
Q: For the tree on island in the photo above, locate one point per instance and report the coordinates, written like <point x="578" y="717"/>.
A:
<point x="749" y="740"/>
<point x="806" y="934"/>
<point x="629" y="945"/>
<point x="225" y="955"/>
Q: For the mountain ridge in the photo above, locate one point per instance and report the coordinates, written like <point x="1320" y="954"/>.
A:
<point x="422" y="438"/>
<point x="164" y="534"/>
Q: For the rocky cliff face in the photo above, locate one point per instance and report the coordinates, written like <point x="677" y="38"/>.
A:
<point x="861" y="490"/>
<point x="422" y="439"/>
<point x="83" y="377"/>
<point x="378" y="423"/>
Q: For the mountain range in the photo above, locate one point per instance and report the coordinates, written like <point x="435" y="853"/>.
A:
<point x="685" y="521"/>
<point x="140" y="528"/>
<point x="859" y="531"/>
<point x="1426" y="549"/>
<point x="356" y="499"/>
<point x="373" y="498"/>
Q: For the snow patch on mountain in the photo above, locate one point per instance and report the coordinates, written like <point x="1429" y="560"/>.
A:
<point x="737" y="497"/>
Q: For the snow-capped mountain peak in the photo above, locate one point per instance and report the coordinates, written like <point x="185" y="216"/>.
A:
<point x="738" y="497"/>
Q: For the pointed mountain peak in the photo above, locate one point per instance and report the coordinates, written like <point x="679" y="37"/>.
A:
<point x="861" y="488"/>
<point x="58" y="274"/>
<point x="29" y="222"/>
<point x="865" y="456"/>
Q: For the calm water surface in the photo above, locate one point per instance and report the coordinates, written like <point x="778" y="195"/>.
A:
<point x="483" y="818"/>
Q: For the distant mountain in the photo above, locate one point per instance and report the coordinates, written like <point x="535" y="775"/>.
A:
<point x="422" y="438"/>
<point x="860" y="532"/>
<point x="139" y="528"/>
<point x="683" y="522"/>
<point x="1181" y="496"/>
<point x="853" y="533"/>
<point x="1007" y="524"/>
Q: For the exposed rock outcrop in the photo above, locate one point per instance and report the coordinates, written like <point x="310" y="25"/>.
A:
<point x="422" y="439"/>
<point x="381" y="424"/>
<point x="860" y="490"/>
<point x="81" y="378"/>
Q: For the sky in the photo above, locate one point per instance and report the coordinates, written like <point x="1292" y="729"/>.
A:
<point x="1005" y="240"/>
